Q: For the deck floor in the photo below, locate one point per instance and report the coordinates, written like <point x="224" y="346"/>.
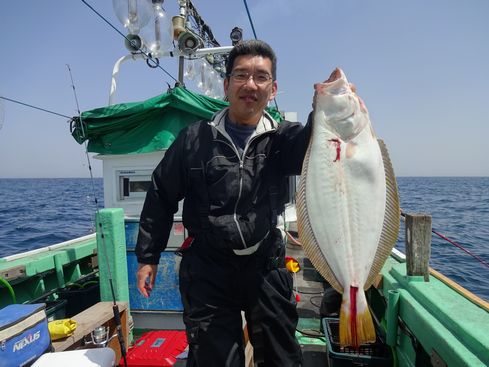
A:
<point x="310" y="288"/>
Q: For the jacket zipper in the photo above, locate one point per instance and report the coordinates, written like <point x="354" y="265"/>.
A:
<point x="240" y="176"/>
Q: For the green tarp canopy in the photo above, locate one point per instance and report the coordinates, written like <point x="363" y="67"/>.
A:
<point x="143" y="127"/>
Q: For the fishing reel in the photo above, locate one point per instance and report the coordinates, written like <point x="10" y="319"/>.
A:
<point x="100" y="337"/>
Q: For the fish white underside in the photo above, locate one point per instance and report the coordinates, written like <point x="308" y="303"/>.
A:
<point x="345" y="201"/>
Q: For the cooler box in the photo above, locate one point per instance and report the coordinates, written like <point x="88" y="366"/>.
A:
<point x="96" y="357"/>
<point x="157" y="348"/>
<point x="24" y="334"/>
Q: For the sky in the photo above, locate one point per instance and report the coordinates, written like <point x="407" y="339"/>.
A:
<point x="422" y="68"/>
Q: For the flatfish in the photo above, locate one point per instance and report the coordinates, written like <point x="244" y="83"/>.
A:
<point x="347" y="202"/>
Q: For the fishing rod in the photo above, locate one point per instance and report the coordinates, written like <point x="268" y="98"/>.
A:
<point x="115" y="308"/>
<point x="478" y="258"/>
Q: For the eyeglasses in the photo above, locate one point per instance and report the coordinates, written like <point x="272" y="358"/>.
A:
<point x="244" y="76"/>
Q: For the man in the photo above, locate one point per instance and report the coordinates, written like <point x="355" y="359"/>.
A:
<point x="232" y="172"/>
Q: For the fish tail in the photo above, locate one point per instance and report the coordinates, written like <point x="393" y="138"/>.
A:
<point x="356" y="324"/>
<point x="353" y="315"/>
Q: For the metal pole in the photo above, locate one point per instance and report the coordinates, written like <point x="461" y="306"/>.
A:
<point x="181" y="62"/>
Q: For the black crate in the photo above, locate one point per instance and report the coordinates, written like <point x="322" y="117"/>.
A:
<point x="80" y="296"/>
<point x="375" y="354"/>
<point x="56" y="310"/>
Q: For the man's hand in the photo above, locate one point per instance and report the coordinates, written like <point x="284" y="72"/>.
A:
<point x="146" y="276"/>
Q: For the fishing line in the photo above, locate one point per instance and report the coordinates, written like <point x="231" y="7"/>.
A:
<point x="455" y="244"/>
<point x="31" y="106"/>
<point x="115" y="308"/>
<point x="462" y="248"/>
<point x="131" y="42"/>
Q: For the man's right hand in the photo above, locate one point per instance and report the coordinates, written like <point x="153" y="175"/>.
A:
<point x="146" y="277"/>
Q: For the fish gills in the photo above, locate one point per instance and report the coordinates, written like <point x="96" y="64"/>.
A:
<point x="347" y="203"/>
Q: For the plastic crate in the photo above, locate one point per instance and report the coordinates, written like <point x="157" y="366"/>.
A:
<point x="80" y="296"/>
<point x="56" y="310"/>
<point x="375" y="354"/>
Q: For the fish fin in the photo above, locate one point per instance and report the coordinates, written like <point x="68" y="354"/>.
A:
<point x="306" y="234"/>
<point x="356" y="324"/>
<point x="392" y="218"/>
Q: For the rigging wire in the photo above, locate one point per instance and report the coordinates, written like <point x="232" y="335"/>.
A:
<point x="35" y="107"/>
<point x="254" y="34"/>
<point x="249" y="18"/>
<point x="148" y="55"/>
<point x="205" y="30"/>
<point x="115" y="308"/>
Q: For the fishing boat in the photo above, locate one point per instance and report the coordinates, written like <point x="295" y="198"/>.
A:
<point x="422" y="318"/>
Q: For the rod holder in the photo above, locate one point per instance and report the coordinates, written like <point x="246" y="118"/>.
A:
<point x="392" y="317"/>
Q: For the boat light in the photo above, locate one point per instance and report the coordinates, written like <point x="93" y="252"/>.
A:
<point x="158" y="34"/>
<point x="133" y="14"/>
<point x="189" y="42"/>
<point x="236" y="35"/>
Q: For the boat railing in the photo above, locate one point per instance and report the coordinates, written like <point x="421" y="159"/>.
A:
<point x="418" y="235"/>
<point x="54" y="247"/>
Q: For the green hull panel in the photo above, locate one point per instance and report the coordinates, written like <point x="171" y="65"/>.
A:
<point x="448" y="326"/>
<point x="33" y="274"/>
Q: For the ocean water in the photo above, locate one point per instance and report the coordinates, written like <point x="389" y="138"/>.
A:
<point x="459" y="207"/>
<point x="38" y="212"/>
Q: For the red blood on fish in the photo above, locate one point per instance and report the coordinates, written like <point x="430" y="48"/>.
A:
<point x="338" y="148"/>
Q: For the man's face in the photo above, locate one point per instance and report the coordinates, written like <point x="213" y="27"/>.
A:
<point x="247" y="99"/>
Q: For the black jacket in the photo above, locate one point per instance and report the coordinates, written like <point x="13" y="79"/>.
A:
<point x="229" y="199"/>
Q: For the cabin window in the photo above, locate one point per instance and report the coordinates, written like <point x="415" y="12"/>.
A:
<point x="133" y="184"/>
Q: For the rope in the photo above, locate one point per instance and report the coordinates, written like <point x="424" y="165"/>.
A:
<point x="10" y="289"/>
